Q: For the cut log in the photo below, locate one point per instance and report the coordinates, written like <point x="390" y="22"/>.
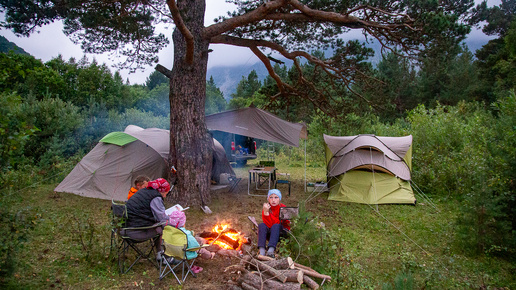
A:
<point x="257" y="282"/>
<point x="301" y="266"/>
<point x="306" y="270"/>
<point x="246" y="260"/>
<point x="236" y="268"/>
<point x="246" y="286"/>
<point x="314" y="274"/>
<point x="294" y="276"/>
<point x="277" y="274"/>
<point x="227" y="253"/>
<point x="264" y="258"/>
<point x="281" y="264"/>
<point x="310" y="283"/>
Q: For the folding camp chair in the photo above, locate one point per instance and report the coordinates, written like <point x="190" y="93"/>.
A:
<point x="263" y="177"/>
<point x="233" y="182"/>
<point x="121" y="242"/>
<point x="175" y="244"/>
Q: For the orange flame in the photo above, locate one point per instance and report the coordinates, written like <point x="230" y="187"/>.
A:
<point x="225" y="230"/>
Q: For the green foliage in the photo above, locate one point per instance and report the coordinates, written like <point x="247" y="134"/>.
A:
<point x="88" y="236"/>
<point x="403" y="281"/>
<point x="449" y="147"/>
<point x="496" y="60"/>
<point x="245" y="91"/>
<point x="397" y="92"/>
<point x="496" y="20"/>
<point x="16" y="225"/>
<point x="14" y="132"/>
<point x="155" y="101"/>
<point x="215" y="101"/>
<point x="487" y="224"/>
<point x="310" y="240"/>
<point x="59" y="122"/>
<point x="6" y="46"/>
<point x="16" y="69"/>
<point x="155" y="79"/>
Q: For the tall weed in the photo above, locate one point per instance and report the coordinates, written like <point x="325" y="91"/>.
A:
<point x="16" y="225"/>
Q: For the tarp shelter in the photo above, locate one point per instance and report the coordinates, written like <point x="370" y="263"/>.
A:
<point x="257" y="123"/>
<point x="108" y="170"/>
<point x="369" y="169"/>
<point x="260" y="124"/>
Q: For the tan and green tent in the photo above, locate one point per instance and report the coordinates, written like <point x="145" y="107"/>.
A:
<point x="109" y="169"/>
<point x="369" y="169"/>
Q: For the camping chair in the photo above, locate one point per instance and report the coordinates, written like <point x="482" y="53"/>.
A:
<point x="121" y="242"/>
<point x="175" y="244"/>
<point x="233" y="182"/>
<point x="284" y="179"/>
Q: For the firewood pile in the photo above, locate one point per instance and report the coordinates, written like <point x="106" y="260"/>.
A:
<point x="263" y="272"/>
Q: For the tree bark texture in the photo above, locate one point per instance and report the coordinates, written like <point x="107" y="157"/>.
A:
<point x="190" y="143"/>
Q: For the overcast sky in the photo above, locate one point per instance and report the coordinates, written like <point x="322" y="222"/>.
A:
<point x="50" y="42"/>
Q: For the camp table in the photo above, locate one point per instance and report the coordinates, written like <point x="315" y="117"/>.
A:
<point x="253" y="177"/>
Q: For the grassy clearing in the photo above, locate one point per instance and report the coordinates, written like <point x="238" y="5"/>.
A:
<point x="68" y="246"/>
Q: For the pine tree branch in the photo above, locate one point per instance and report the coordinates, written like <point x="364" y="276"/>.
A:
<point x="189" y="39"/>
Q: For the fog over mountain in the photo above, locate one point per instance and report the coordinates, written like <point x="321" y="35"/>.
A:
<point x="227" y="77"/>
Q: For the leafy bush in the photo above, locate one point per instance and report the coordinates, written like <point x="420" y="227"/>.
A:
<point x="449" y="147"/>
<point x="14" y="132"/>
<point x="487" y="224"/>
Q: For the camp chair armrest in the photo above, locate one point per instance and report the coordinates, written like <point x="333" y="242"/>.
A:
<point x="195" y="249"/>
<point x="146" y="228"/>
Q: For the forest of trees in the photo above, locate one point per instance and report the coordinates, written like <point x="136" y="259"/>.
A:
<point x="459" y="105"/>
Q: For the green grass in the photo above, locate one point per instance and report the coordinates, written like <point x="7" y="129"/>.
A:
<point x="359" y="246"/>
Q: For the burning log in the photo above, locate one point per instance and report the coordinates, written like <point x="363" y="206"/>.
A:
<point x="210" y="237"/>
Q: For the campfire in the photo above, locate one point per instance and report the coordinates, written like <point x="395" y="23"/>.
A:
<point x="225" y="237"/>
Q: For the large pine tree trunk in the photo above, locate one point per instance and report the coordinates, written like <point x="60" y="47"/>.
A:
<point x="190" y="143"/>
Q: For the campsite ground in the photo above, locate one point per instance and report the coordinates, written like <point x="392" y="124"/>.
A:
<point x="68" y="246"/>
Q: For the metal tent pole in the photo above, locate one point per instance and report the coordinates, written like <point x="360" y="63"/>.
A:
<point x="305" y="165"/>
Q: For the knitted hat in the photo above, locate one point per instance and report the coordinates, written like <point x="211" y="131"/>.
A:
<point x="177" y="219"/>
<point x="274" y="191"/>
<point x="159" y="184"/>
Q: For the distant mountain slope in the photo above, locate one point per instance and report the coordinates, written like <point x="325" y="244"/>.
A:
<point x="227" y="77"/>
<point x="6" y="46"/>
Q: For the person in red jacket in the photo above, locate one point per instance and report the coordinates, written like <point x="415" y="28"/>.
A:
<point x="272" y="227"/>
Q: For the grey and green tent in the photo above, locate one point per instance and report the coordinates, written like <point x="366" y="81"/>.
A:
<point x="369" y="169"/>
<point x="108" y="170"/>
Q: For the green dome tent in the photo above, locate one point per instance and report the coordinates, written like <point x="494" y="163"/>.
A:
<point x="369" y="169"/>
